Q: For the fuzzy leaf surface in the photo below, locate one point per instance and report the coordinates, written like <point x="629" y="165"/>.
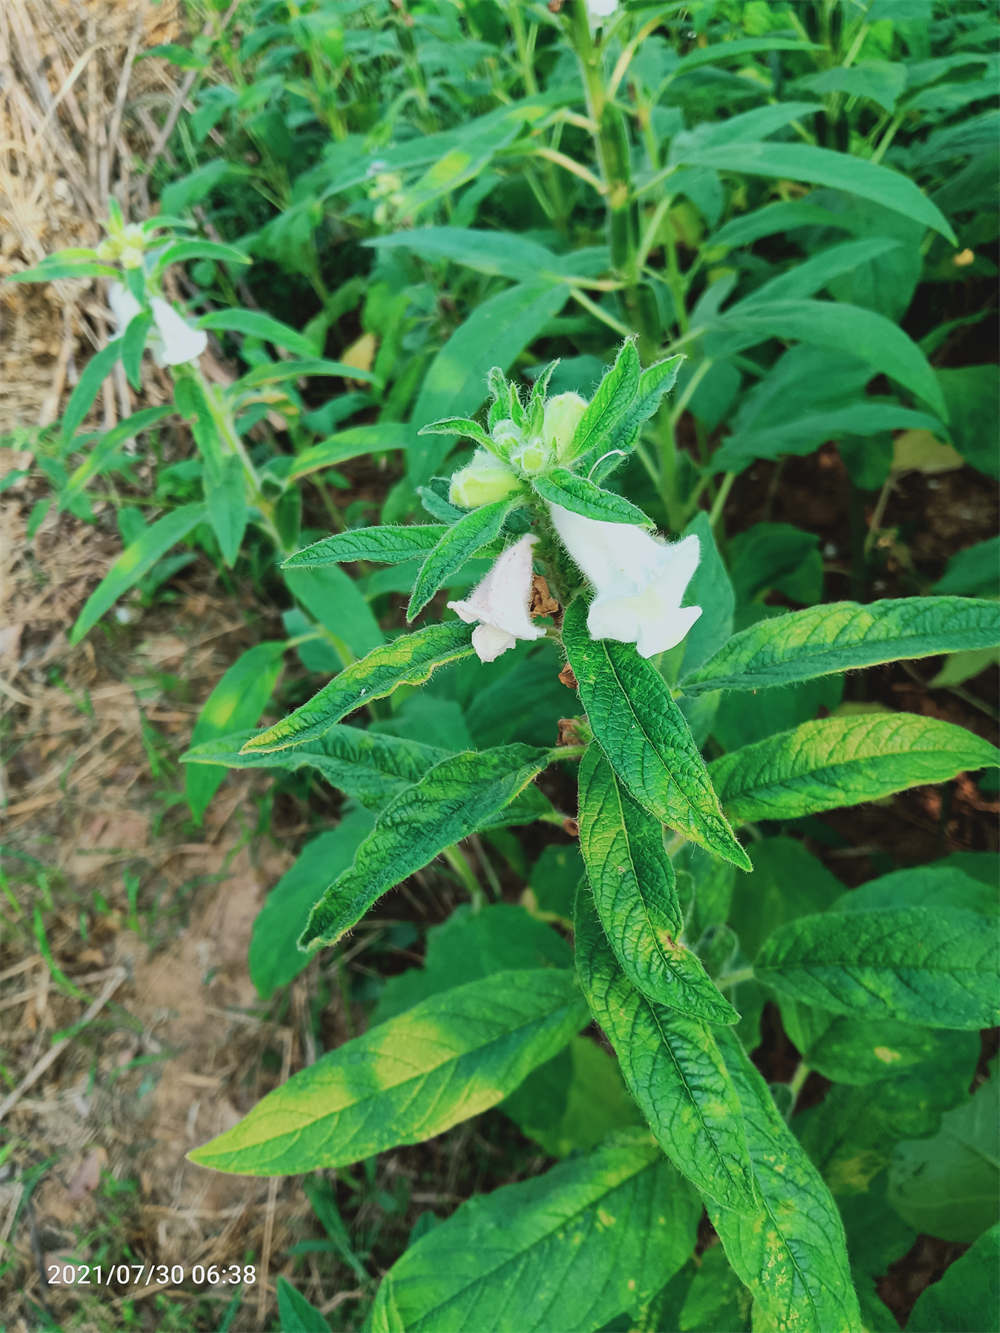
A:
<point x="673" y="1068"/>
<point x="463" y="793"/>
<point x="408" y="660"/>
<point x="576" y="493"/>
<point x="569" y="1249"/>
<point x="473" y="531"/>
<point x="843" y="636"/>
<point x="446" y="1059"/>
<point x="915" y="964"/>
<point x="635" y="893"/>
<point x="645" y="737"/>
<point x="839" y="761"/>
<point x="791" y="1252"/>
<point x="387" y="545"/>
<point x="611" y="402"/>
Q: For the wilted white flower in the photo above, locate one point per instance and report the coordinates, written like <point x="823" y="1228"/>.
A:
<point x="172" y="341"/>
<point x="500" y="603"/>
<point x="639" y="581"/>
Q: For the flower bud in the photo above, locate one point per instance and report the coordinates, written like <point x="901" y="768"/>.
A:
<point x="532" y="456"/>
<point x="505" y="435"/>
<point x="562" y="416"/>
<point x="481" y="482"/>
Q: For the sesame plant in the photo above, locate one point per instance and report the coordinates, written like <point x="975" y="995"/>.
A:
<point x="633" y="639"/>
<point x="659" y="245"/>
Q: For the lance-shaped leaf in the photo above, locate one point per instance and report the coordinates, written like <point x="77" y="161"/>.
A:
<point x="654" y="383"/>
<point x="460" y="795"/>
<point x="464" y="426"/>
<point x="791" y="1252"/>
<point x="614" y="397"/>
<point x="645" y="737"/>
<point x="920" y="965"/>
<point x="672" y="1067"/>
<point x="444" y="1060"/>
<point x="840" y="761"/>
<point x="842" y="636"/>
<point x="408" y="660"/>
<point x="565" y="488"/>
<point x="151" y="545"/>
<point x="635" y="893"/>
<point x="370" y="766"/>
<point x="458" y="544"/>
<point x="350" y="443"/>
<point x="387" y="545"/>
<point x="570" y="1249"/>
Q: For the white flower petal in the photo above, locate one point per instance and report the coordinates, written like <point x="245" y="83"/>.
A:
<point x="489" y="642"/>
<point x="124" y="306"/>
<point x="639" y="581"/>
<point x="500" y="603"/>
<point x="181" y="343"/>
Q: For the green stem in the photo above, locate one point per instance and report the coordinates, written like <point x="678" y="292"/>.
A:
<point x="735" y="978"/>
<point x="718" y="504"/>
<point x="795" y="1084"/>
<point x="457" y="860"/>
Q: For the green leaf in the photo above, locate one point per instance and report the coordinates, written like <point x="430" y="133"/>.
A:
<point x="52" y="269"/>
<point x="915" y="964"/>
<point x="787" y="882"/>
<point x="295" y="1312"/>
<point x="225" y="499"/>
<point x="562" y="487"/>
<point x="236" y="701"/>
<point x="791" y="1251"/>
<point x="841" y="327"/>
<point x="632" y="881"/>
<point x="816" y="273"/>
<point x="463" y="426"/>
<point x="857" y="1051"/>
<point x="458" y="796"/>
<point x="736" y="50"/>
<point x="454" y="383"/>
<point x="275" y="372"/>
<point x="336" y="602"/>
<point x="672" y="1066"/>
<point x="274" y="960"/>
<point x="473" y="531"/>
<point x="408" y="660"/>
<point x="645" y="737"/>
<point x="850" y="1135"/>
<point x="614" y="396"/>
<point x="843" y="636"/>
<point x="840" y="761"/>
<point x="351" y="443"/>
<point x="574" y="1102"/>
<point x="470" y="945"/>
<point x="972" y="395"/>
<point x="133" y="346"/>
<point x="96" y="371"/>
<point x="445" y="1060"/>
<point x="711" y="589"/>
<point x="135" y="561"/>
<point x="103" y="450"/>
<point x="183" y="252"/>
<point x="947" y="883"/>
<point x="495" y="253"/>
<point x="822" y="166"/>
<point x="881" y="81"/>
<point x="570" y="1249"/>
<point x="967" y="1298"/>
<point x="948" y="1185"/>
<point x="255" y="324"/>
<point x="388" y="545"/>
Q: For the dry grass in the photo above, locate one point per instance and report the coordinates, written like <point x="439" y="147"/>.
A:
<point x="130" y="1030"/>
<point x="78" y="116"/>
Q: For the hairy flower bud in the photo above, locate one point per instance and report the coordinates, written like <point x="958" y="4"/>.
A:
<point x="562" y="416"/>
<point x="532" y="456"/>
<point x="481" y="482"/>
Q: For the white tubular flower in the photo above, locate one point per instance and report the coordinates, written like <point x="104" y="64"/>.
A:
<point x="639" y="581"/>
<point x="173" y="341"/>
<point x="500" y="603"/>
<point x="179" y="342"/>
